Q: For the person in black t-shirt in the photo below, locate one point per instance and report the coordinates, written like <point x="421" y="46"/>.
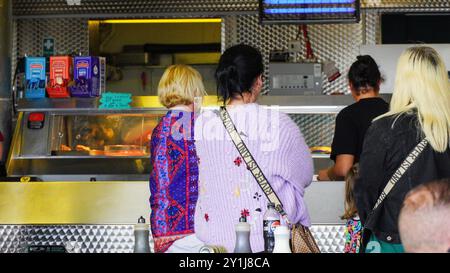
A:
<point x="354" y="120"/>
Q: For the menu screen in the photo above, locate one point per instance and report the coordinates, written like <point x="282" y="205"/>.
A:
<point x="308" y="11"/>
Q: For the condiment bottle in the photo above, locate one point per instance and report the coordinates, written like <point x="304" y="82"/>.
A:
<point x="242" y="236"/>
<point x="141" y="236"/>
<point x="282" y="236"/>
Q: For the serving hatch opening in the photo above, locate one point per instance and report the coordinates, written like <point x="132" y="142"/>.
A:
<point x="138" y="51"/>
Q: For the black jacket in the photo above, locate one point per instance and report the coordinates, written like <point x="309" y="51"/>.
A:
<point x="387" y="143"/>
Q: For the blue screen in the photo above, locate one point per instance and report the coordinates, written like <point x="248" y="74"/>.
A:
<point x="309" y="11"/>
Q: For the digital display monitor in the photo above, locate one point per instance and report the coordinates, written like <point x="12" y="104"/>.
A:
<point x="308" y="11"/>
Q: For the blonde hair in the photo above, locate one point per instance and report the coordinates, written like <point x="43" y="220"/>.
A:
<point x="350" y="210"/>
<point x="422" y="83"/>
<point x="179" y="85"/>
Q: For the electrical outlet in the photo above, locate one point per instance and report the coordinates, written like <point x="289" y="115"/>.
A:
<point x="295" y="46"/>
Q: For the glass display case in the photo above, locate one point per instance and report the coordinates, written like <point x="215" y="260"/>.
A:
<point x="74" y="140"/>
<point x="101" y="135"/>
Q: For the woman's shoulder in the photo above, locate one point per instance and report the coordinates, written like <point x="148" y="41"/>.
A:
<point x="207" y="118"/>
<point x="391" y="128"/>
<point x="254" y="113"/>
<point x="396" y="122"/>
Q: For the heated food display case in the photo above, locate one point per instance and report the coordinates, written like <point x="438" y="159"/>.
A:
<point x="74" y="140"/>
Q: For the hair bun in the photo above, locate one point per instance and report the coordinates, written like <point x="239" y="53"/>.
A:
<point x="364" y="73"/>
<point x="231" y="70"/>
<point x="365" y="59"/>
<point x="238" y="68"/>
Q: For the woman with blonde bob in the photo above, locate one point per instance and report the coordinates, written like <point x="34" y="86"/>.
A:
<point x="420" y="108"/>
<point x="174" y="175"/>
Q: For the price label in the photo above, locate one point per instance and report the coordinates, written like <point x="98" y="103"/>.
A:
<point x="111" y="100"/>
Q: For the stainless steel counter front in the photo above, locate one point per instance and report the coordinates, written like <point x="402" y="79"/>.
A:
<point x="99" y="216"/>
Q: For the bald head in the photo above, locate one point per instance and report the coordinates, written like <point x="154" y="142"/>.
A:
<point x="424" y="221"/>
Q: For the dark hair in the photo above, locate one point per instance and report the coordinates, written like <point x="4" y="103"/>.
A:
<point x="238" y="68"/>
<point x="364" y="74"/>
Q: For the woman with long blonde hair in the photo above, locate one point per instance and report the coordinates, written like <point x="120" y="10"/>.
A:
<point x="420" y="109"/>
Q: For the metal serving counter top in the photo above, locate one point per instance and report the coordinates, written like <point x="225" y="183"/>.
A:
<point x="289" y="104"/>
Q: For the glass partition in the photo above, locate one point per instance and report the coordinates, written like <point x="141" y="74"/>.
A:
<point x="102" y="135"/>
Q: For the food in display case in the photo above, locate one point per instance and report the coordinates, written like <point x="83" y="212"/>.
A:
<point x="320" y="150"/>
<point x="125" y="150"/>
<point x="102" y="135"/>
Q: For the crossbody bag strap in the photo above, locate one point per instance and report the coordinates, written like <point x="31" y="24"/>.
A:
<point x="406" y="164"/>
<point x="251" y="163"/>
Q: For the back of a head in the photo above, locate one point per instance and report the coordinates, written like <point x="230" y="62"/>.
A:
<point x="179" y="85"/>
<point x="364" y="74"/>
<point x="239" y="66"/>
<point x="422" y="83"/>
<point x="424" y="221"/>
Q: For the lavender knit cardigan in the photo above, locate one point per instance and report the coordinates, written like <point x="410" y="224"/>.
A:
<point x="228" y="190"/>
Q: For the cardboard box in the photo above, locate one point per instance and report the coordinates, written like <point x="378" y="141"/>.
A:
<point x="35" y="77"/>
<point x="60" y="76"/>
<point x="89" y="76"/>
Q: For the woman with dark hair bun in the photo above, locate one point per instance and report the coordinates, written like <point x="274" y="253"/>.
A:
<point x="227" y="188"/>
<point x="239" y="74"/>
<point x="352" y="122"/>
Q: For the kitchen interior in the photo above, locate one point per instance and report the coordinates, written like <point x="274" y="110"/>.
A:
<point x="77" y="173"/>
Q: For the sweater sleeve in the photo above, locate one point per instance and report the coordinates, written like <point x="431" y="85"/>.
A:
<point x="293" y="170"/>
<point x="296" y="156"/>
<point x="371" y="170"/>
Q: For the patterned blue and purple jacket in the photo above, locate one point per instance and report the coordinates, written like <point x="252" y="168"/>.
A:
<point x="173" y="179"/>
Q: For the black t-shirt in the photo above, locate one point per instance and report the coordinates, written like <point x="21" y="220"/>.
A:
<point x="351" y="126"/>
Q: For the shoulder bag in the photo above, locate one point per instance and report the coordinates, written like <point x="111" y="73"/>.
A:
<point x="406" y="164"/>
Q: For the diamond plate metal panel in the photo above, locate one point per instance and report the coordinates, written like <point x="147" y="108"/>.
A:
<point x="336" y="42"/>
<point x="155" y="7"/>
<point x="372" y="29"/>
<point x="317" y="129"/>
<point x="329" y="238"/>
<point x="14" y="37"/>
<point x="136" y="7"/>
<point x="76" y="238"/>
<point x="405" y="4"/>
<point x="70" y="35"/>
<point x="118" y="238"/>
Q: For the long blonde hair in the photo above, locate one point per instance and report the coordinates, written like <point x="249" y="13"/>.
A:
<point x="350" y="209"/>
<point x="422" y="83"/>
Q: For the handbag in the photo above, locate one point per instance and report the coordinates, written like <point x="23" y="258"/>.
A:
<point x="406" y="164"/>
<point x="302" y="239"/>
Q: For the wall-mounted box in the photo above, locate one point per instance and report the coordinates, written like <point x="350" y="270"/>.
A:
<point x="295" y="78"/>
